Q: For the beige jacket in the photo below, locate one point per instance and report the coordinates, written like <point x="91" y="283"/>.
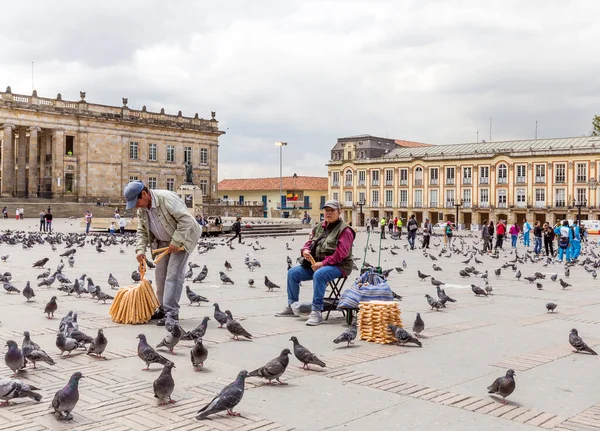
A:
<point x="175" y="217"/>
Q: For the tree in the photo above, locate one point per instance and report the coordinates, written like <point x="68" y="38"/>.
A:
<point x="596" y="126"/>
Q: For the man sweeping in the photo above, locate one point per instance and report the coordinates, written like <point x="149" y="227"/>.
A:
<point x="164" y="221"/>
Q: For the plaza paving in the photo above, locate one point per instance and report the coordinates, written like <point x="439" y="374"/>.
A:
<point x="442" y="385"/>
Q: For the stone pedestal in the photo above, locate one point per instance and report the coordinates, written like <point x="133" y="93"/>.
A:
<point x="191" y="194"/>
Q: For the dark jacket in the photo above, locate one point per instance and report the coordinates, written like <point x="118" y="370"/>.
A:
<point x="325" y="242"/>
<point x="48" y="216"/>
<point x="237" y="227"/>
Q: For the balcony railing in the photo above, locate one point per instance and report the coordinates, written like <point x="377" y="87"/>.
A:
<point x="449" y="204"/>
<point x="484" y="180"/>
<point x="289" y="205"/>
<point x="520" y="180"/>
<point x="467" y="181"/>
<point x="335" y="183"/>
<point x="418" y="205"/>
<point x="434" y="181"/>
<point x="540" y="204"/>
<point x="521" y="205"/>
<point x="375" y="204"/>
<point x="560" y="204"/>
<point x="418" y="182"/>
<point x="347" y="183"/>
<point x="362" y="183"/>
<point x="389" y="182"/>
<point x="449" y="181"/>
<point x="403" y="182"/>
<point x="560" y="180"/>
<point x="433" y="204"/>
<point x="502" y="205"/>
<point x="375" y="182"/>
<point x="466" y="204"/>
<point x="403" y="204"/>
<point x="581" y="180"/>
<point x="484" y="204"/>
<point x="389" y="204"/>
<point x="540" y="179"/>
<point x="502" y="180"/>
<point x="348" y="203"/>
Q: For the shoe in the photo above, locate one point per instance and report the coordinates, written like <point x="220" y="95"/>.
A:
<point x="158" y="314"/>
<point x="286" y="312"/>
<point x="162" y="322"/>
<point x="315" y="318"/>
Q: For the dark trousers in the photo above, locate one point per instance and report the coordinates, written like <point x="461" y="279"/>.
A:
<point x="383" y="232"/>
<point x="426" y="241"/>
<point x="237" y="235"/>
<point x="122" y="229"/>
<point x="499" y="241"/>
<point x="42" y="225"/>
<point x="550" y="246"/>
<point x="49" y="226"/>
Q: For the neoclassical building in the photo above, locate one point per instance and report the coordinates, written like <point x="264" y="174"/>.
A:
<point x="82" y="151"/>
<point x="542" y="179"/>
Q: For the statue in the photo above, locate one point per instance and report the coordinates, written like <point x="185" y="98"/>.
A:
<point x="213" y="114"/>
<point x="189" y="175"/>
<point x="125" y="101"/>
<point x="82" y="96"/>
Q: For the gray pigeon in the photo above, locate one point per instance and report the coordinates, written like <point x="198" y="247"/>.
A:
<point x="224" y="278"/>
<point x="304" y="355"/>
<point x="14" y="358"/>
<point x="503" y="386"/>
<point x="433" y="303"/>
<point x="478" y="290"/>
<point x="77" y="335"/>
<point x="98" y="345"/>
<point x="147" y="354"/>
<point x="198" y="331"/>
<point x="66" y="399"/>
<point x="170" y="322"/>
<point x="164" y="385"/>
<point x="234" y="327"/>
<point x="65" y="344"/>
<point x="347" y="336"/>
<point x="11" y="389"/>
<point x="201" y="276"/>
<point x="418" y="326"/>
<point x="219" y="315"/>
<point x="198" y="355"/>
<point x="270" y="285"/>
<point x="51" y="307"/>
<point x="9" y="288"/>
<point x="193" y="296"/>
<point x="578" y="343"/>
<point x="275" y="368"/>
<point x="28" y="292"/>
<point x="112" y="281"/>
<point x="403" y="336"/>
<point x="171" y="339"/>
<point x="551" y="306"/>
<point x="33" y="352"/>
<point x="228" y="398"/>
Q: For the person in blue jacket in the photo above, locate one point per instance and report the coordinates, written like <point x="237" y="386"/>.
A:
<point x="565" y="237"/>
<point x="526" y="230"/>
<point x="576" y="243"/>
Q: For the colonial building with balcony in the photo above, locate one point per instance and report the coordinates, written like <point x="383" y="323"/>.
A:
<point x="57" y="148"/>
<point x="296" y="195"/>
<point x="542" y="179"/>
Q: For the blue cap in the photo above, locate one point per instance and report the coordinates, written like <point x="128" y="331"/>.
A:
<point x="131" y="193"/>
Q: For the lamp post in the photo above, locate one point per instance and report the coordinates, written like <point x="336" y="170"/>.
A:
<point x="361" y="219"/>
<point x="592" y="184"/>
<point x="579" y="204"/>
<point x="281" y="144"/>
<point x="457" y="205"/>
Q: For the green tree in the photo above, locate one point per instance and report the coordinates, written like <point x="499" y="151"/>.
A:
<point x="596" y="126"/>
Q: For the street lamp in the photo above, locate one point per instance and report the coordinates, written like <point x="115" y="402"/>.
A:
<point x="281" y="144"/>
<point x="579" y="204"/>
<point x="361" y="218"/>
<point x="294" y="192"/>
<point x="457" y="205"/>
<point x="592" y="184"/>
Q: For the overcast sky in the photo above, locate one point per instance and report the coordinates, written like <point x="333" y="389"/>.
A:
<point x="309" y="72"/>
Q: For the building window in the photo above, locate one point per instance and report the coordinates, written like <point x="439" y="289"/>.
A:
<point x="362" y="178"/>
<point x="484" y="175"/>
<point x="540" y="173"/>
<point x="389" y="198"/>
<point x="502" y="173"/>
<point x="467" y="175"/>
<point x="581" y="169"/>
<point x="449" y="198"/>
<point x="418" y="176"/>
<point x="521" y="173"/>
<point x="335" y="179"/>
<point x="133" y="178"/>
<point x="375" y="197"/>
<point x="170" y="153"/>
<point x="203" y="156"/>
<point x="374" y="178"/>
<point x="349" y="155"/>
<point x="362" y="197"/>
<point x="152" y="152"/>
<point x="348" y="199"/>
<point x="449" y="176"/>
<point x="389" y="177"/>
<point x="348" y="180"/>
<point x="403" y="174"/>
<point x="433" y="198"/>
<point x="484" y="197"/>
<point x="560" y="173"/>
<point x="560" y="197"/>
<point x="540" y="198"/>
<point x="434" y="176"/>
<point x="187" y="154"/>
<point x="204" y="187"/>
<point x="336" y="196"/>
<point x="171" y="184"/>
<point x="581" y="196"/>
<point x="70" y="145"/>
<point x="403" y="198"/>
<point x="133" y="150"/>
<point x="418" y="198"/>
<point x="152" y="183"/>
<point x="467" y="194"/>
<point x="521" y="200"/>
<point x="501" y="198"/>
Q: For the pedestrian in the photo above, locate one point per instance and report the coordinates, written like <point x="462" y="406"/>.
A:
<point x="237" y="228"/>
<point x="122" y="224"/>
<point x="382" y="224"/>
<point x="427" y="230"/>
<point x="42" y="221"/>
<point x="390" y="223"/>
<point x="373" y="223"/>
<point x="17" y="213"/>
<point x="500" y="232"/>
<point x="88" y="221"/>
<point x="5" y="212"/>
<point x="565" y="237"/>
<point x="537" y="238"/>
<point x="576" y="243"/>
<point x="117" y="215"/>
<point x="48" y="218"/>
<point x="412" y="226"/>
<point x="396" y="224"/>
<point x="448" y="233"/>
<point x="399" y="224"/>
<point x="514" y="234"/>
<point x="548" y="240"/>
<point x="163" y="221"/>
<point x="491" y="231"/>
<point x="21" y="211"/>
<point x="485" y="235"/>
<point x="526" y="230"/>
<point x="368" y="224"/>
<point x="112" y="227"/>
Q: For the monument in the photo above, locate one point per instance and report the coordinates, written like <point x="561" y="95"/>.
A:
<point x="189" y="192"/>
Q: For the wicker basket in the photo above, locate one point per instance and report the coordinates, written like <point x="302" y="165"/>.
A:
<point x="373" y="319"/>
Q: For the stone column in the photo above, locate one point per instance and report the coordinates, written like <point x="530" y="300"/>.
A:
<point x="58" y="151"/>
<point x="21" y="162"/>
<point x="8" y="161"/>
<point x="45" y="137"/>
<point x="34" y="173"/>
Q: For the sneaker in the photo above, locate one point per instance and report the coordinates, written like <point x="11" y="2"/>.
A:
<point x="286" y="312"/>
<point x="158" y="314"/>
<point x="162" y="322"/>
<point x="315" y="319"/>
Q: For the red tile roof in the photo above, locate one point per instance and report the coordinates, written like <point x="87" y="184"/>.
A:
<point x="289" y="183"/>
<point x="411" y="144"/>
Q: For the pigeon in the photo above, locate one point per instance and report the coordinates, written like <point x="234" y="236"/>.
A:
<point x="66" y="399"/>
<point x="403" y="336"/>
<point x="540" y="286"/>
<point x="101" y="296"/>
<point x="43" y="274"/>
<point x="78" y="289"/>
<point x="40" y="263"/>
<point x="71" y="261"/>
<point x="224" y="278"/>
<point x="51" y="307"/>
<point x="4" y="258"/>
<point x="98" y="344"/>
<point x="498" y="272"/>
<point x="189" y="274"/>
<point x="198" y="331"/>
<point x="66" y="344"/>
<point x="348" y="335"/>
<point x="433" y="303"/>
<point x="250" y="282"/>
<point x="219" y="315"/>
<point x="11" y="389"/>
<point x="422" y="276"/>
<point x="14" y="358"/>
<point x="478" y="290"/>
<point x="464" y="273"/>
<point x="112" y="281"/>
<point x="77" y="335"/>
<point x="418" y="326"/>
<point x="441" y="293"/>
<point x="551" y="306"/>
<point x="503" y="386"/>
<point x="198" y="354"/>
<point x="227" y="399"/>
<point x="518" y="275"/>
<point x="234" y="327"/>
<point x="136" y="276"/>
<point x="305" y="356"/>
<point x="33" y="352"/>
<point x="553" y="277"/>
<point x="170" y="322"/>
<point x="28" y="292"/>
<point x="567" y="272"/>
<point x="563" y="283"/>
<point x="199" y="278"/>
<point x="47" y="281"/>
<point x="9" y="288"/>
<point x="147" y="354"/>
<point x="270" y="285"/>
<point x="436" y="268"/>
<point x="396" y="296"/>
<point x="275" y="368"/>
<point x="171" y="339"/>
<point x="194" y="297"/>
<point x="436" y="282"/>
<point x="164" y="385"/>
<point x="578" y="343"/>
<point x="228" y="266"/>
<point x="530" y="279"/>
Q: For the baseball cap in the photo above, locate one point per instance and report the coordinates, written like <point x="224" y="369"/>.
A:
<point x="131" y="192"/>
<point x="332" y="204"/>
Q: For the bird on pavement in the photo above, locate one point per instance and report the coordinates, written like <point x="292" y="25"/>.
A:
<point x="51" y="307"/>
<point x="112" y="281"/>
<point x="433" y="303"/>
<point x="11" y="389"/>
<point x="198" y="354"/>
<point x="418" y="326"/>
<point x="348" y="335"/>
<point x="551" y="306"/>
<point x="235" y="328"/>
<point x="14" y="358"/>
<point x="147" y="353"/>
<point x="171" y="339"/>
<point x="227" y="399"/>
<point x="228" y="266"/>
<point x="219" y="315"/>
<point x="198" y="332"/>
<point x="273" y="369"/>
<point x="422" y="276"/>
<point x="503" y="386"/>
<point x="478" y="290"/>
<point x="98" y="344"/>
<point x="40" y="263"/>
<point x="194" y="297"/>
<point x="403" y="336"/>
<point x="66" y="399"/>
<point x="578" y="343"/>
<point x="164" y="385"/>
<point x="304" y="355"/>
<point x="224" y="278"/>
<point x="563" y="283"/>
<point x="270" y="285"/>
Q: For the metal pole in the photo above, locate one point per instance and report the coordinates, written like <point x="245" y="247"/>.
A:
<point x="281" y="176"/>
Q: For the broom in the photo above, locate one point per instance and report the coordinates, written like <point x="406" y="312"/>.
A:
<point x="137" y="303"/>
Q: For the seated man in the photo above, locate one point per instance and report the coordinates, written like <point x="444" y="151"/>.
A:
<point x="330" y="244"/>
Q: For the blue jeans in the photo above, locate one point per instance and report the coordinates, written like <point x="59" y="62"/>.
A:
<point x="526" y="239"/>
<point x="537" y="248"/>
<point x="411" y="238"/>
<point x="514" y="240"/>
<point x="87" y="227"/>
<point x="320" y="278"/>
